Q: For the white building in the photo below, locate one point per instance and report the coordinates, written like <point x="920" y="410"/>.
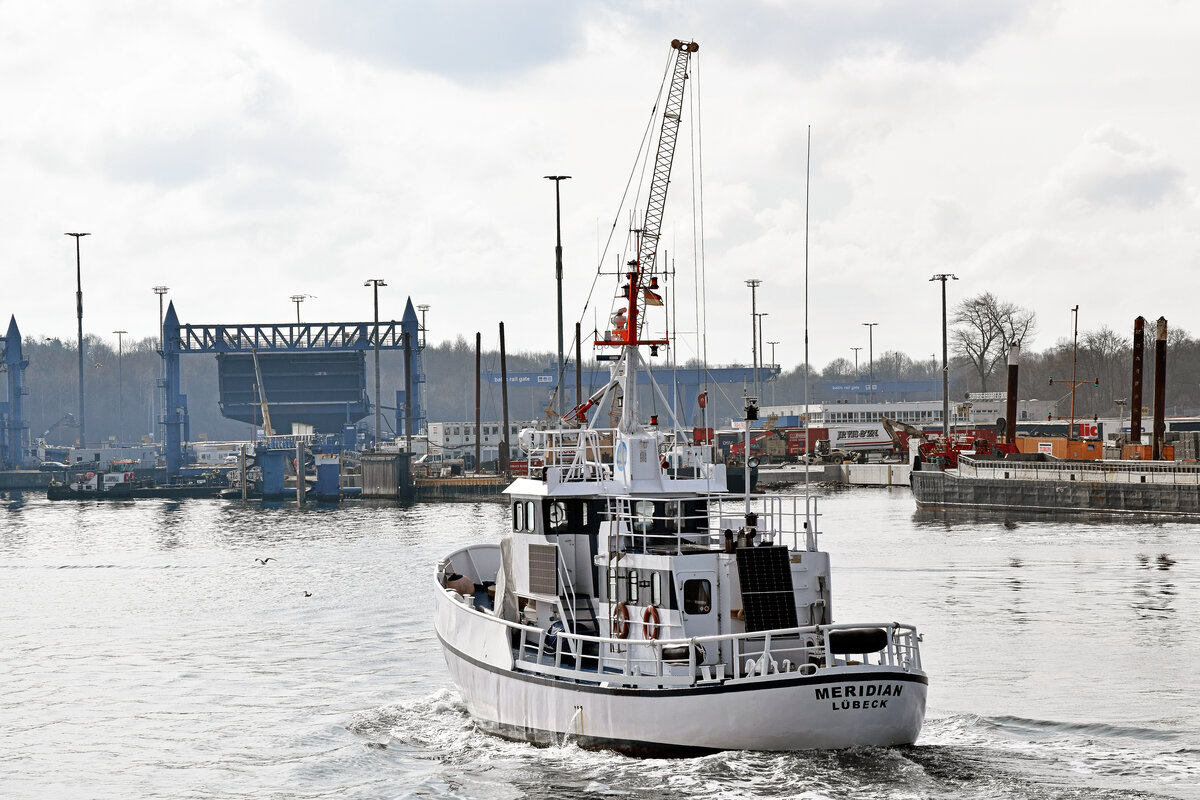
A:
<point x="456" y="439"/>
<point x="978" y="408"/>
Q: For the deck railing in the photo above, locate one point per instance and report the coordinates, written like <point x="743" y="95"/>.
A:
<point x="674" y="524"/>
<point x="746" y="657"/>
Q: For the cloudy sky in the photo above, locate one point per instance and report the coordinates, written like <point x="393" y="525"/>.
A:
<point x="243" y="152"/>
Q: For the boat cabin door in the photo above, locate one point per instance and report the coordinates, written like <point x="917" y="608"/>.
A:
<point x="697" y="595"/>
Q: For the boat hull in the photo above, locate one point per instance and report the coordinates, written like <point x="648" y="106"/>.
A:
<point x="846" y="706"/>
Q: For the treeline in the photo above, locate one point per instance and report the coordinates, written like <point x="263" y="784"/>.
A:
<point x="123" y="401"/>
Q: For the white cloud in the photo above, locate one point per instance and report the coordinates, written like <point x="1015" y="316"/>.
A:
<point x="243" y="153"/>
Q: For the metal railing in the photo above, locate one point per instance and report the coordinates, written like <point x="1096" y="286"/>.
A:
<point x="1090" y="471"/>
<point x="761" y="656"/>
<point x="781" y="519"/>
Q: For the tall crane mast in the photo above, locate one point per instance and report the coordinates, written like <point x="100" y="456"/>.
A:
<point x="669" y="132"/>
<point x="636" y="292"/>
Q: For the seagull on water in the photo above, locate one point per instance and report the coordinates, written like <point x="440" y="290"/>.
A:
<point x="264" y="560"/>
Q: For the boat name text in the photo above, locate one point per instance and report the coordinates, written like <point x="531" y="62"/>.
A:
<point x="864" y="696"/>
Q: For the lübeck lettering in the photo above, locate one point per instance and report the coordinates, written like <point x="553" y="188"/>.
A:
<point x="839" y="695"/>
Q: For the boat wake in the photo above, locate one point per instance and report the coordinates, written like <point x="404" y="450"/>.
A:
<point x="961" y="756"/>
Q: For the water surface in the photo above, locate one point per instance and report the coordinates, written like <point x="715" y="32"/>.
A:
<point x="148" y="652"/>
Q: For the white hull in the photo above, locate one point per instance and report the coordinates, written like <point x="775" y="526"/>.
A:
<point x="844" y="706"/>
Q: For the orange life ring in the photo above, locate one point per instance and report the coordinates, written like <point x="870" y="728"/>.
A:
<point x="620" y="621"/>
<point x="650" y="623"/>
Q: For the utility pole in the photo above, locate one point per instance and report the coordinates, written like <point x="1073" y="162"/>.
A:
<point x="558" y="273"/>
<point x="754" y="283"/>
<point x="762" y="351"/>
<point x="298" y="299"/>
<point x="943" y="277"/>
<point x="120" y="386"/>
<point x="774" y="364"/>
<point x="871" y="354"/>
<point x="79" y="317"/>
<point x="376" y="283"/>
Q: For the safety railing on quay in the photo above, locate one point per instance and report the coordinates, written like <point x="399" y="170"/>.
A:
<point x="1093" y="471"/>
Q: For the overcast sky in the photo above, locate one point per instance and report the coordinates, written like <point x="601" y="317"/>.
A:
<point x="243" y="152"/>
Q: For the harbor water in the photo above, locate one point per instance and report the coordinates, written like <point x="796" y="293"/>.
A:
<point x="197" y="649"/>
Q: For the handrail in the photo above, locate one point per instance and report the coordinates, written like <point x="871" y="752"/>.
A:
<point x="763" y="655"/>
<point x="780" y="517"/>
<point x="1092" y="471"/>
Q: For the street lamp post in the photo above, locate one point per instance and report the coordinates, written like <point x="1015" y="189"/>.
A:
<point x="871" y="354"/>
<point x="79" y="317"/>
<point x="558" y="274"/>
<point x="160" y="291"/>
<point x="376" y="283"/>
<point x="856" y="349"/>
<point x="422" y="308"/>
<point x="774" y="364"/>
<point x="762" y="351"/>
<point x="298" y="299"/>
<point x="754" y="283"/>
<point x="943" y="277"/>
<point x="120" y="385"/>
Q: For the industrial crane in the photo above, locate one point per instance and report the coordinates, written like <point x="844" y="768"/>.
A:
<point x="638" y="293"/>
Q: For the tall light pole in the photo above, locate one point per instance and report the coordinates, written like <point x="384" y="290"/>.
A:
<point x="79" y="316"/>
<point x="754" y="283"/>
<point x="422" y="308"/>
<point x="298" y="299"/>
<point x="558" y="179"/>
<point x="160" y="291"/>
<point x="943" y="277"/>
<point x="774" y="364"/>
<point x="120" y="385"/>
<point x="376" y="282"/>
<point x="762" y="351"/>
<point x="871" y="354"/>
<point x="856" y="349"/>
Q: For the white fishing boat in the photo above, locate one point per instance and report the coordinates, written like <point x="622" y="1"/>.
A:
<point x="637" y="605"/>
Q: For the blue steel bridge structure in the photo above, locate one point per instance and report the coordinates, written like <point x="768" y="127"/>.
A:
<point x="14" y="432"/>
<point x="312" y="373"/>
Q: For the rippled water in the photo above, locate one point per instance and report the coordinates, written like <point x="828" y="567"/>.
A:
<point x="148" y="653"/>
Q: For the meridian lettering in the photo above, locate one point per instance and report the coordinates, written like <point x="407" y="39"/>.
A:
<point x="838" y="695"/>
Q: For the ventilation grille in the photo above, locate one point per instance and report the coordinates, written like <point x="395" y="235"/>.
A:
<point x="543" y="569"/>
<point x="765" y="577"/>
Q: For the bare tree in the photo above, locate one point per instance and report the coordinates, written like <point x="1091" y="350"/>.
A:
<point x="983" y="328"/>
<point x="1105" y="354"/>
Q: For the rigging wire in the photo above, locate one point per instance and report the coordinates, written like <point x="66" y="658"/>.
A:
<point x="642" y="157"/>
<point x="698" y="132"/>
<point x="807" y="426"/>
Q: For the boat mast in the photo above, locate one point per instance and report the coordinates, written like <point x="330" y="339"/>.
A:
<point x="641" y="282"/>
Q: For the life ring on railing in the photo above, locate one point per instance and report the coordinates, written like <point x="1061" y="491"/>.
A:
<point x="650" y="623"/>
<point x="620" y="621"/>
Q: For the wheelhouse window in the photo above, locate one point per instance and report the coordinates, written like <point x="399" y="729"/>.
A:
<point x="633" y="587"/>
<point x="655" y="588"/>
<point x="530" y="517"/>
<point x="643" y="516"/>
<point x="518" y="516"/>
<point x="697" y="596"/>
<point x="558" y="516"/>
